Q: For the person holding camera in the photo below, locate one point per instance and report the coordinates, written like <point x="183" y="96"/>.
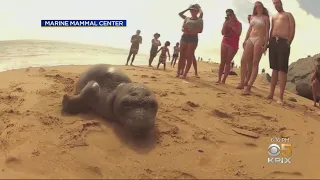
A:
<point x="231" y="32"/>
<point x="192" y="26"/>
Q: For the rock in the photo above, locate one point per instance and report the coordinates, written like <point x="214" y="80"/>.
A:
<point x="299" y="75"/>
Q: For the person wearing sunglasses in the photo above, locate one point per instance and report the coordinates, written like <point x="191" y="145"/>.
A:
<point x="231" y="32"/>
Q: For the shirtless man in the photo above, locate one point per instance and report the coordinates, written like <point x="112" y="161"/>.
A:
<point x="281" y="36"/>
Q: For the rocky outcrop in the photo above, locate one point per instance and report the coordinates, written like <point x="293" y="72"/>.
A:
<point x="299" y="76"/>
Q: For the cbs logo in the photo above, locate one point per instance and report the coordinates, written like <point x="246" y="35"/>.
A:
<point x="274" y="150"/>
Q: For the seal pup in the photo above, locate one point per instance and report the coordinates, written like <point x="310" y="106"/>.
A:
<point x="111" y="94"/>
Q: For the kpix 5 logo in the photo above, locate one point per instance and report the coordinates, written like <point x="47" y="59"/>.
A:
<point x="279" y="154"/>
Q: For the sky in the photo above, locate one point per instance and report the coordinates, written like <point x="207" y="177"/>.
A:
<point x="20" y="19"/>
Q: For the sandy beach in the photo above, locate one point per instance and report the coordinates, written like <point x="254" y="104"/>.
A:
<point x="199" y="130"/>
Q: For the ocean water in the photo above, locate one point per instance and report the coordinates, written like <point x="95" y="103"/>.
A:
<point x="37" y="53"/>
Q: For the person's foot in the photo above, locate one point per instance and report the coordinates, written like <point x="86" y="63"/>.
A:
<point x="131" y="64"/>
<point x="150" y="66"/>
<point x="184" y="76"/>
<point x="240" y="86"/>
<point x="223" y="81"/>
<point x="315" y="104"/>
<point x="126" y="64"/>
<point x="270" y="96"/>
<point x="280" y="102"/>
<point x="246" y="91"/>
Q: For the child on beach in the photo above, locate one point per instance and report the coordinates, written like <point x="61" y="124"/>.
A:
<point x="176" y="50"/>
<point x="316" y="83"/>
<point x="163" y="56"/>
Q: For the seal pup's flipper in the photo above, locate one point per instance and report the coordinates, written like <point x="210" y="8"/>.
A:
<point x="81" y="102"/>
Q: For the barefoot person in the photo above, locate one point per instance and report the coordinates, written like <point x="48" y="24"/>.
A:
<point x="249" y="70"/>
<point x="189" y="41"/>
<point x="136" y="40"/>
<point x="254" y="45"/>
<point x="231" y="32"/>
<point x="316" y="83"/>
<point x="163" y="56"/>
<point x="155" y="43"/>
<point x="281" y="36"/>
<point x="176" y="50"/>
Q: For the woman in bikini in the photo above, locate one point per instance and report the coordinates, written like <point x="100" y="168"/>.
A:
<point x="255" y="44"/>
<point x="163" y="56"/>
<point x="189" y="41"/>
<point x="231" y="32"/>
<point x="176" y="50"/>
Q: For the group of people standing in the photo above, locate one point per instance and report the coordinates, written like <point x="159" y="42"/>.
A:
<point x="258" y="39"/>
<point x="191" y="27"/>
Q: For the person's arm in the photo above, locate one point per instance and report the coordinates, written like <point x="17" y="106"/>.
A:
<point x="159" y="50"/>
<point x="314" y="76"/>
<point x="248" y="33"/>
<point x="159" y="43"/>
<point x="168" y="54"/>
<point x="292" y="28"/>
<point x="267" y="22"/>
<point x="201" y="14"/>
<point x="132" y="39"/>
<point x="197" y="29"/>
<point x="181" y="14"/>
<point x="272" y="23"/>
<point x="237" y="29"/>
<point x="140" y="39"/>
<point x="224" y="28"/>
<point x="154" y="42"/>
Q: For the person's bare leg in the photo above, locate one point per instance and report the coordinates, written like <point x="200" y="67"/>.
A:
<point x="273" y="84"/>
<point x="195" y="66"/>
<point x="283" y="82"/>
<point x="128" y="59"/>
<point x="182" y="58"/>
<point x="230" y="55"/>
<point x="133" y="57"/>
<point x="315" y="90"/>
<point x="223" y="59"/>
<point x="158" y="65"/>
<point x="257" y="53"/>
<point x="249" y="71"/>
<point x="247" y="54"/>
<point x="190" y="54"/>
<point x="164" y="66"/>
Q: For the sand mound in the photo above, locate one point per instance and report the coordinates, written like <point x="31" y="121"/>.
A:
<point x="202" y="130"/>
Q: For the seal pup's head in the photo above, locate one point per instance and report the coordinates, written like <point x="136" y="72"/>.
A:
<point x="79" y="103"/>
<point x="136" y="107"/>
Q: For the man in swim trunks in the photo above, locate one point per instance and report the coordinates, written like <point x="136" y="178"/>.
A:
<point x="154" y="47"/>
<point x="281" y="36"/>
<point x="136" y="40"/>
<point x="176" y="50"/>
<point x="316" y="83"/>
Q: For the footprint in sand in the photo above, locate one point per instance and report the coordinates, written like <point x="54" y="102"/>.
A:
<point x="12" y="162"/>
